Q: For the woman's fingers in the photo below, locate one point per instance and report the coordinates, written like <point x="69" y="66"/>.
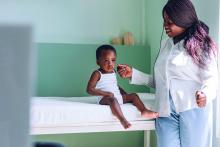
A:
<point x="121" y="72"/>
<point x="201" y="104"/>
<point x="124" y="70"/>
<point x="203" y="99"/>
<point x="121" y="65"/>
<point x="200" y="99"/>
<point x="200" y="95"/>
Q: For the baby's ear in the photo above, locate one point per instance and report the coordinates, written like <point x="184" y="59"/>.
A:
<point x="97" y="62"/>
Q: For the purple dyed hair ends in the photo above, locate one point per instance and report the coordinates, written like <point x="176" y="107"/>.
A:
<point x="199" y="45"/>
<point x="197" y="42"/>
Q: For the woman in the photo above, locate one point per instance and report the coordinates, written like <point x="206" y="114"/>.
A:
<point x="185" y="79"/>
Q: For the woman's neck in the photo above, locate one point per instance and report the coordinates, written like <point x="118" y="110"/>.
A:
<point x="179" y="37"/>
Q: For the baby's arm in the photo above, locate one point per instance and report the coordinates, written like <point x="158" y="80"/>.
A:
<point x="92" y="84"/>
<point x="122" y="91"/>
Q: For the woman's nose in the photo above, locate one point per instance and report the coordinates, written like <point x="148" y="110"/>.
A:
<point x="165" y="26"/>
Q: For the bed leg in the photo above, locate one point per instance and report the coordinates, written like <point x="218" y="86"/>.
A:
<point x="147" y="138"/>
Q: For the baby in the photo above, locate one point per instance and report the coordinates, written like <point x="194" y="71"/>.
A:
<point x="103" y="83"/>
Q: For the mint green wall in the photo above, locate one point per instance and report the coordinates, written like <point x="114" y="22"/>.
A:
<point x="79" y="22"/>
<point x="76" y="21"/>
<point x="208" y="11"/>
<point x="64" y="69"/>
<point x="153" y="31"/>
<point x="109" y="139"/>
<point x="154" y="26"/>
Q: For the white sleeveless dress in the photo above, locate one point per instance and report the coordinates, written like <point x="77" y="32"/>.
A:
<point x="108" y="82"/>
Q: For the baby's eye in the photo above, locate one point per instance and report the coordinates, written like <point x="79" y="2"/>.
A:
<point x="106" y="61"/>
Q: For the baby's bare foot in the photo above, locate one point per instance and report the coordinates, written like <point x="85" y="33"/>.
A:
<point x="125" y="123"/>
<point x="149" y="114"/>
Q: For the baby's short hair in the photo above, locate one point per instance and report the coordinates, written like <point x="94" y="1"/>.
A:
<point x="102" y="48"/>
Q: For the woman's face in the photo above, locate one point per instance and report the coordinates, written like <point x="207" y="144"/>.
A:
<point x="172" y="30"/>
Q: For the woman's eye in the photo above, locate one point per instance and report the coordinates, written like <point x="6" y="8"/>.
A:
<point x="170" y="22"/>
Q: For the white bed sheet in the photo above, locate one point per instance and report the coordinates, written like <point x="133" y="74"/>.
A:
<point x="61" y="111"/>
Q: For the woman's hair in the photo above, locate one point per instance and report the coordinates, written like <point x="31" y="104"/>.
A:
<point x="197" y="42"/>
<point x="102" y="48"/>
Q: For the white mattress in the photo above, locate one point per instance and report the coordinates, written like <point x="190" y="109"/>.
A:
<point x="60" y="111"/>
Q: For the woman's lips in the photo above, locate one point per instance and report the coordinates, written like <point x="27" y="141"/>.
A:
<point x="168" y="31"/>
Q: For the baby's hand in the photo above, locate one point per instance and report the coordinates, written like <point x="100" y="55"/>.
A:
<point x="200" y="99"/>
<point x="109" y="94"/>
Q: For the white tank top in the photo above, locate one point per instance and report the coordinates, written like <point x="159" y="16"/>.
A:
<point x="108" y="82"/>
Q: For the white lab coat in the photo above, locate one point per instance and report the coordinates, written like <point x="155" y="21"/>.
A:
<point x="175" y="72"/>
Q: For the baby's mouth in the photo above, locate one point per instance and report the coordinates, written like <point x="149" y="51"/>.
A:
<point x="111" y="68"/>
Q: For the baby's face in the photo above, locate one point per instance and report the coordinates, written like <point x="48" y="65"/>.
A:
<point x="107" y="61"/>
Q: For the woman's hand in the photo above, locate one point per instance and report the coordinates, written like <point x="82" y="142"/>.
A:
<point x="200" y="99"/>
<point x="124" y="70"/>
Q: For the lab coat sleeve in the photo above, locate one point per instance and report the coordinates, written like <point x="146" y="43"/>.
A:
<point x="140" y="78"/>
<point x="210" y="79"/>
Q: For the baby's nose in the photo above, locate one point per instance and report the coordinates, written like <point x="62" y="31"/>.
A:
<point x="110" y="63"/>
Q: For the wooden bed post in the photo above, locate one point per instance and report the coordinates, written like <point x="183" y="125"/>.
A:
<point x="146" y="138"/>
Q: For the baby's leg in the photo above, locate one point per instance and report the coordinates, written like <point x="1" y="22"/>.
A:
<point x="135" y="100"/>
<point x="116" y="110"/>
